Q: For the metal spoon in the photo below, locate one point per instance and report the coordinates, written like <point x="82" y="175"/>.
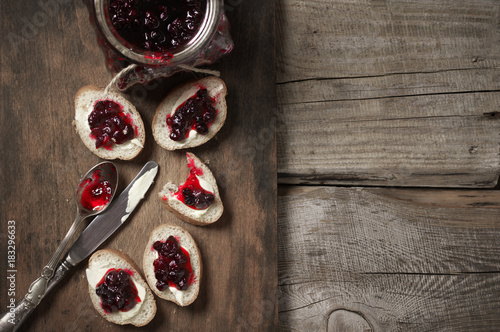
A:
<point x="93" y="195"/>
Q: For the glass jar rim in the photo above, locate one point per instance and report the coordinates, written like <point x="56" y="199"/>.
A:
<point x="174" y="57"/>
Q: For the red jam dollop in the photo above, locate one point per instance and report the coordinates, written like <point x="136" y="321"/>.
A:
<point x="117" y="291"/>
<point x="156" y="25"/>
<point x="173" y="266"/>
<point x="196" y="113"/>
<point x="97" y="193"/>
<point x="191" y="193"/>
<point x="108" y="124"/>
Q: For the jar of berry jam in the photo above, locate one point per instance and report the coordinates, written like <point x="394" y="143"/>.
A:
<point x="160" y="37"/>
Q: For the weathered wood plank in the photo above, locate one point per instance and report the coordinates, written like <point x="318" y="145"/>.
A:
<point x="438" y="140"/>
<point x="384" y="93"/>
<point x="388" y="86"/>
<point x="359" y="38"/>
<point x="396" y="262"/>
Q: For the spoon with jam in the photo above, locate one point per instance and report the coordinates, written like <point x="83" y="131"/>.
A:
<point x="93" y="195"/>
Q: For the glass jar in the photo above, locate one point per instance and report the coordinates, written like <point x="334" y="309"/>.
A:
<point x="209" y="43"/>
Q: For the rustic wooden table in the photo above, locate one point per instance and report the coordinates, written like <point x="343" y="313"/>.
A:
<point x="48" y="52"/>
<point x="388" y="158"/>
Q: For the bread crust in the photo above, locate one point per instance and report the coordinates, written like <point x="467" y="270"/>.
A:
<point x="181" y="211"/>
<point x="179" y="215"/>
<point x="161" y="233"/>
<point x="215" y="87"/>
<point x="84" y="99"/>
<point x="149" y="300"/>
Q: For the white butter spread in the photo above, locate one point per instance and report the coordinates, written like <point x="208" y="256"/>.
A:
<point x="179" y="295"/>
<point x="95" y="275"/>
<point x="205" y="185"/>
<point x="183" y="97"/>
<point x="135" y="141"/>
<point x="138" y="190"/>
<point x="191" y="136"/>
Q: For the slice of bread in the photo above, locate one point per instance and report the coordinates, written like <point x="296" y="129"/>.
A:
<point x="216" y="89"/>
<point x="186" y="241"/>
<point x="110" y="258"/>
<point x="186" y="213"/>
<point x="85" y="100"/>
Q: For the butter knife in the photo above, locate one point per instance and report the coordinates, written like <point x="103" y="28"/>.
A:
<point x="101" y="228"/>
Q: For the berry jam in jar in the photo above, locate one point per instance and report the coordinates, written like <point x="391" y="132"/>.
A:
<point x="160" y="37"/>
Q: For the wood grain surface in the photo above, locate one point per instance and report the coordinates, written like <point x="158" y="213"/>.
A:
<point x="360" y="259"/>
<point x="48" y="51"/>
<point x="389" y="93"/>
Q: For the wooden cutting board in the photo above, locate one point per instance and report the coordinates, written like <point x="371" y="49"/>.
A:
<point x="48" y="51"/>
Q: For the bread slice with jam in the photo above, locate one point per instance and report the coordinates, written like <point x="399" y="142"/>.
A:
<point x="172" y="264"/>
<point x="196" y="201"/>
<point x="108" y="124"/>
<point x="191" y="114"/>
<point x="117" y="290"/>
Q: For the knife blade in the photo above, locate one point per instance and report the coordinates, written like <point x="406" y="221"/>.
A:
<point x="118" y="212"/>
<point x="100" y="229"/>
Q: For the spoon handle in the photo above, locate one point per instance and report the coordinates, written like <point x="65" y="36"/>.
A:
<point x="49" y="268"/>
<point x="38" y="288"/>
<point x="16" y="315"/>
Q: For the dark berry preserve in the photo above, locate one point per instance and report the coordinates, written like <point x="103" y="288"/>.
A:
<point x="108" y="124"/>
<point x="159" y="37"/>
<point x="196" y="113"/>
<point x="192" y="194"/>
<point x="96" y="194"/>
<point x="157" y="25"/>
<point x="173" y="266"/>
<point x="117" y="291"/>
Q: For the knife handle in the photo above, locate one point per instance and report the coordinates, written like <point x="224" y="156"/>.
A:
<point x="16" y="315"/>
